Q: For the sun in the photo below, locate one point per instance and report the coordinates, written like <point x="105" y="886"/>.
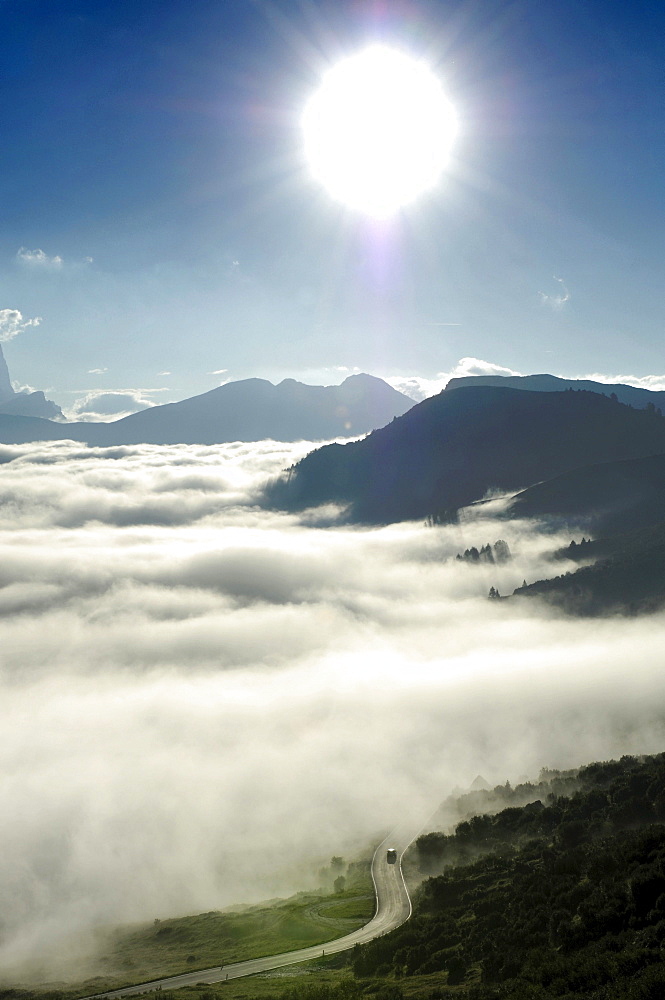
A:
<point x="379" y="131"/>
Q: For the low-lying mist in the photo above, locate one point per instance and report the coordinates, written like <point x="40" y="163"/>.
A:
<point x="203" y="701"/>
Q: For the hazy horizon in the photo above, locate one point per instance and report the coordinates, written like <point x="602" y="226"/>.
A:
<point x="107" y="405"/>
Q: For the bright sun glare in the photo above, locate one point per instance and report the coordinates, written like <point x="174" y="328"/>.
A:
<point x="379" y="130"/>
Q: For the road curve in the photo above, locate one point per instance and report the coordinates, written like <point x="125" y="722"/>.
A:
<point x="393" y="907"/>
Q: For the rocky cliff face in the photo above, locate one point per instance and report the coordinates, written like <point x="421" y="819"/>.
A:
<point x="6" y="391"/>
<point x="24" y="404"/>
<point x="31" y="404"/>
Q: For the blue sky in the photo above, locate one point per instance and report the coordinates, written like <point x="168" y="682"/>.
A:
<point x="153" y="156"/>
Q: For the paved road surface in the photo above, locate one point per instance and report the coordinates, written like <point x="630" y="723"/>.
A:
<point x="393" y="907"/>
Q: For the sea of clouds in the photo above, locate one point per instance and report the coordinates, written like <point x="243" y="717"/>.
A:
<point x="202" y="701"/>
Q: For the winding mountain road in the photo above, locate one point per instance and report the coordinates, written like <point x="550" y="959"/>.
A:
<point x="393" y="907"/>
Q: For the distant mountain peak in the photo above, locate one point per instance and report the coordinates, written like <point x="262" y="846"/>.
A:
<point x="631" y="395"/>
<point x="363" y="377"/>
<point x="246" y="410"/>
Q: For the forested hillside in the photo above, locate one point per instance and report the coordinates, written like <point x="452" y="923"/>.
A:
<point x="565" y="898"/>
<point x="449" y="450"/>
<point x="628" y="576"/>
<point x="609" y="499"/>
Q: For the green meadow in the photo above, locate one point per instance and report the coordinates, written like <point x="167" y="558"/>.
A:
<point x="162" y="948"/>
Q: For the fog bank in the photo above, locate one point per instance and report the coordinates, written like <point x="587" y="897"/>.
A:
<point x="202" y="701"/>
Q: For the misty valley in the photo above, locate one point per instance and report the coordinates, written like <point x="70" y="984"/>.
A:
<point x="225" y="664"/>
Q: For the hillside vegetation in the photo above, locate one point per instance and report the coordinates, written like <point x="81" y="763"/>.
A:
<point x="627" y="576"/>
<point x="562" y="898"/>
<point x="609" y="499"/>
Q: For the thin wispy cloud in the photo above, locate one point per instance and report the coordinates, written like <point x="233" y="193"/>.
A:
<point x="557" y="301"/>
<point x="39" y="259"/>
<point x="97" y="371"/>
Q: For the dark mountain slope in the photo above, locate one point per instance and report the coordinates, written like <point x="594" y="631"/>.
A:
<point x="247" y="410"/>
<point x="604" y="499"/>
<point x="449" y="450"/>
<point x="630" y="394"/>
<point x="627" y="578"/>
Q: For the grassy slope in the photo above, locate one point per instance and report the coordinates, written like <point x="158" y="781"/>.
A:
<point x="183" y="944"/>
